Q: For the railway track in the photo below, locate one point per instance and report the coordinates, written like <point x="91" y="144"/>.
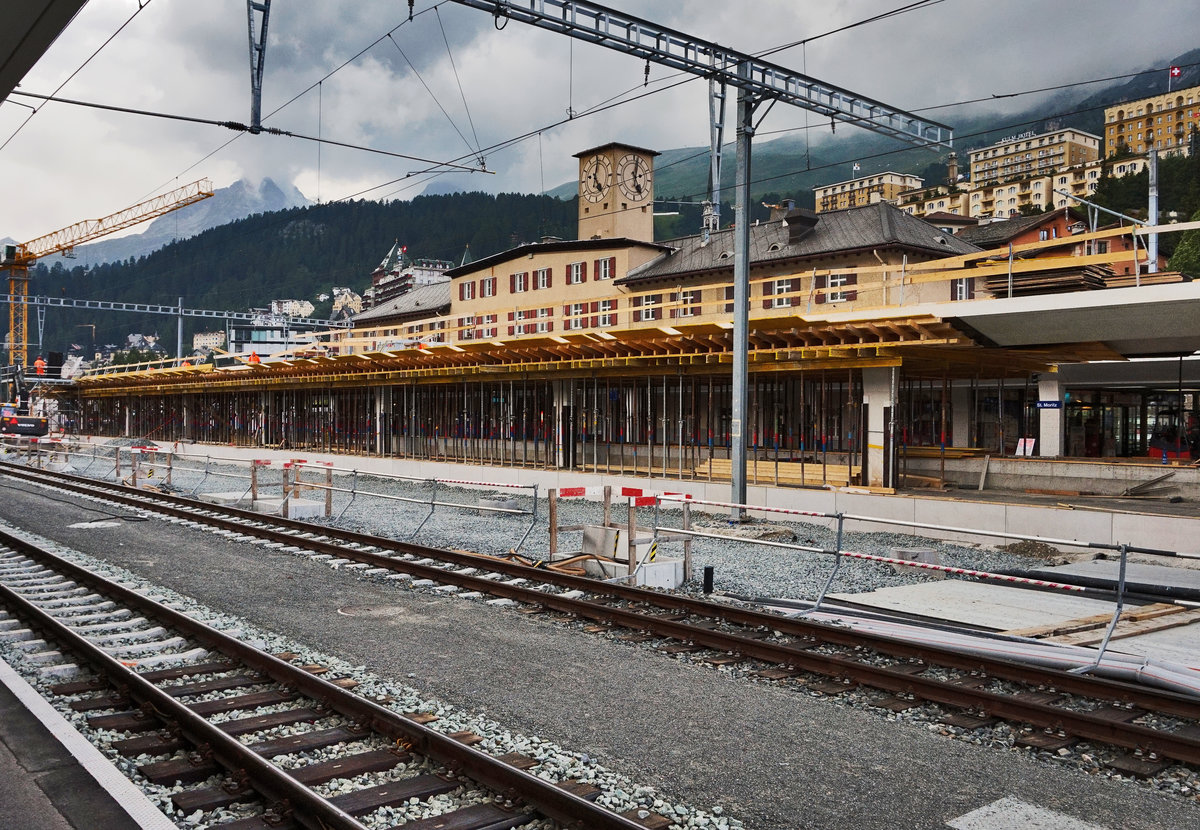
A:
<point x="1145" y="730"/>
<point x="214" y="711"/>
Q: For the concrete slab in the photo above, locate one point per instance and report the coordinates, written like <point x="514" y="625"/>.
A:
<point x="1139" y="572"/>
<point x="996" y="607"/>
<point x="297" y="508"/>
<point x="236" y="498"/>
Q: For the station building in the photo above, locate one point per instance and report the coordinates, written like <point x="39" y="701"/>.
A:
<point x="877" y="341"/>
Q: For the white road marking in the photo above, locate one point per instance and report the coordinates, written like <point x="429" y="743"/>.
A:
<point x="1013" y="814"/>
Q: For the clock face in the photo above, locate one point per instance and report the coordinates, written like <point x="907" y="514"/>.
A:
<point x="634" y="176"/>
<point x="595" y="178"/>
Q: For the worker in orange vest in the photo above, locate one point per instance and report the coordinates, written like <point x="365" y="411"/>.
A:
<point x="254" y="358"/>
<point x="39" y="365"/>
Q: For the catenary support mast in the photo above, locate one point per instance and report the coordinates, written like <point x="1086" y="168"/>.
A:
<point x="756" y="81"/>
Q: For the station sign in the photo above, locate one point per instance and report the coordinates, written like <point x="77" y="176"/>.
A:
<point x="1049" y="404"/>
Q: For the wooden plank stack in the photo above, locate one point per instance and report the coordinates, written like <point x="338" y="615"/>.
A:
<point x="1051" y="281"/>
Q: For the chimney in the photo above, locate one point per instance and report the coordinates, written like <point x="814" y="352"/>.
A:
<point x="952" y="169"/>
<point x="780" y="211"/>
<point x="800" y="223"/>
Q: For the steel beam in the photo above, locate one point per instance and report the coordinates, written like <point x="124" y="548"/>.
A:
<point x="669" y="47"/>
<point x="258" y="57"/>
<point x="149" y="308"/>
<point x="756" y="81"/>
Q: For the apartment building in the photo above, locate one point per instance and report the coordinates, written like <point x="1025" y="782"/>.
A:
<point x="1032" y="154"/>
<point x="1161" y="122"/>
<point x="867" y="190"/>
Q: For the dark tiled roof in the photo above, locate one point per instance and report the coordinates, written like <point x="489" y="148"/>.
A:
<point x="421" y="301"/>
<point x="876" y="226"/>
<point x="997" y="233"/>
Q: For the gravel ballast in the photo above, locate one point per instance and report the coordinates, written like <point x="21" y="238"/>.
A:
<point x="763" y="753"/>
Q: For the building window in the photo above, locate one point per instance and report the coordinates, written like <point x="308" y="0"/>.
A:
<point x="518" y="283"/>
<point x="779" y="290"/>
<point x="489" y="321"/>
<point x="487" y="287"/>
<point x="606" y="268"/>
<point x="466" y="328"/>
<point x="576" y="273"/>
<point x="543" y="320"/>
<point x="647" y="307"/>
<point x="836" y="281"/>
<point x="466" y="290"/>
<point x="575" y="316"/>
<point x="541" y="278"/>
<point x="686" y="303"/>
<point x="607" y="317"/>
<point x="962" y="288"/>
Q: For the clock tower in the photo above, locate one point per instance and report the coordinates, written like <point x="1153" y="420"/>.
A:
<point x="616" y="192"/>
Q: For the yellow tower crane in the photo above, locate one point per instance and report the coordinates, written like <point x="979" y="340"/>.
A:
<point x="16" y="259"/>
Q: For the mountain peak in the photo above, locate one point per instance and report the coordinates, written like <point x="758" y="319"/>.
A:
<point x="240" y="199"/>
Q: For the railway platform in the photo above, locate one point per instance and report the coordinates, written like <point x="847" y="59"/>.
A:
<point x="51" y="778"/>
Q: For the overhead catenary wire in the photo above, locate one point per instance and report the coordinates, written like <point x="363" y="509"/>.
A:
<point x="417" y="177"/>
<point x="458" y="80"/>
<point x="141" y="6"/>
<point x="240" y="127"/>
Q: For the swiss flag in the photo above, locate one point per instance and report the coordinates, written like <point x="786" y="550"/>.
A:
<point x="1176" y="71"/>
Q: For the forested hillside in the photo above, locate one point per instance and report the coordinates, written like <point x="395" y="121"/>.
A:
<point x="298" y="253"/>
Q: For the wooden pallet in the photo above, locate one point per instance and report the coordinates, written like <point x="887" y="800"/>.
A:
<point x="790" y="473"/>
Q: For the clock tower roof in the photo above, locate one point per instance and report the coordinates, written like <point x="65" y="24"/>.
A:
<point x="616" y="146"/>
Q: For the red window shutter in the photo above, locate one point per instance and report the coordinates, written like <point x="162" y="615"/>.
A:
<point x="851" y="279"/>
<point x="549" y="277"/>
<point x="612" y="267"/>
<point x="512" y="283"/>
<point x="970" y="288"/>
<point x="511" y="330"/>
<point x="768" y="295"/>
<point x="510" y="316"/>
<point x="549" y="325"/>
<point x="595" y="306"/>
<point x="462" y="291"/>
<point x="822" y="282"/>
<point x="583" y="271"/>
<point x="615" y="304"/>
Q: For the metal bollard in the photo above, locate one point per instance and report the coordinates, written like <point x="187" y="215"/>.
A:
<point x="708" y="579"/>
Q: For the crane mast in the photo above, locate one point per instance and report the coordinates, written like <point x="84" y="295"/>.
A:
<point x="17" y="258"/>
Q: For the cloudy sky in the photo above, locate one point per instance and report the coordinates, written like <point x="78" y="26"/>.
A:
<point x="182" y="57"/>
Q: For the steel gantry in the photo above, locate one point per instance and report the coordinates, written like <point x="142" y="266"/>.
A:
<point x="756" y="81"/>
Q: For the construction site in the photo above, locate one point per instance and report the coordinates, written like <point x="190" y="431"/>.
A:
<point x="882" y="354"/>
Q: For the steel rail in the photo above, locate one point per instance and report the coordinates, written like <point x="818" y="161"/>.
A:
<point x="308" y="808"/>
<point x="1086" y="726"/>
<point x="237" y="520"/>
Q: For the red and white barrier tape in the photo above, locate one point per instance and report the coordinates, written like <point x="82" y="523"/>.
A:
<point x="755" y="507"/>
<point x="641" y="498"/>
